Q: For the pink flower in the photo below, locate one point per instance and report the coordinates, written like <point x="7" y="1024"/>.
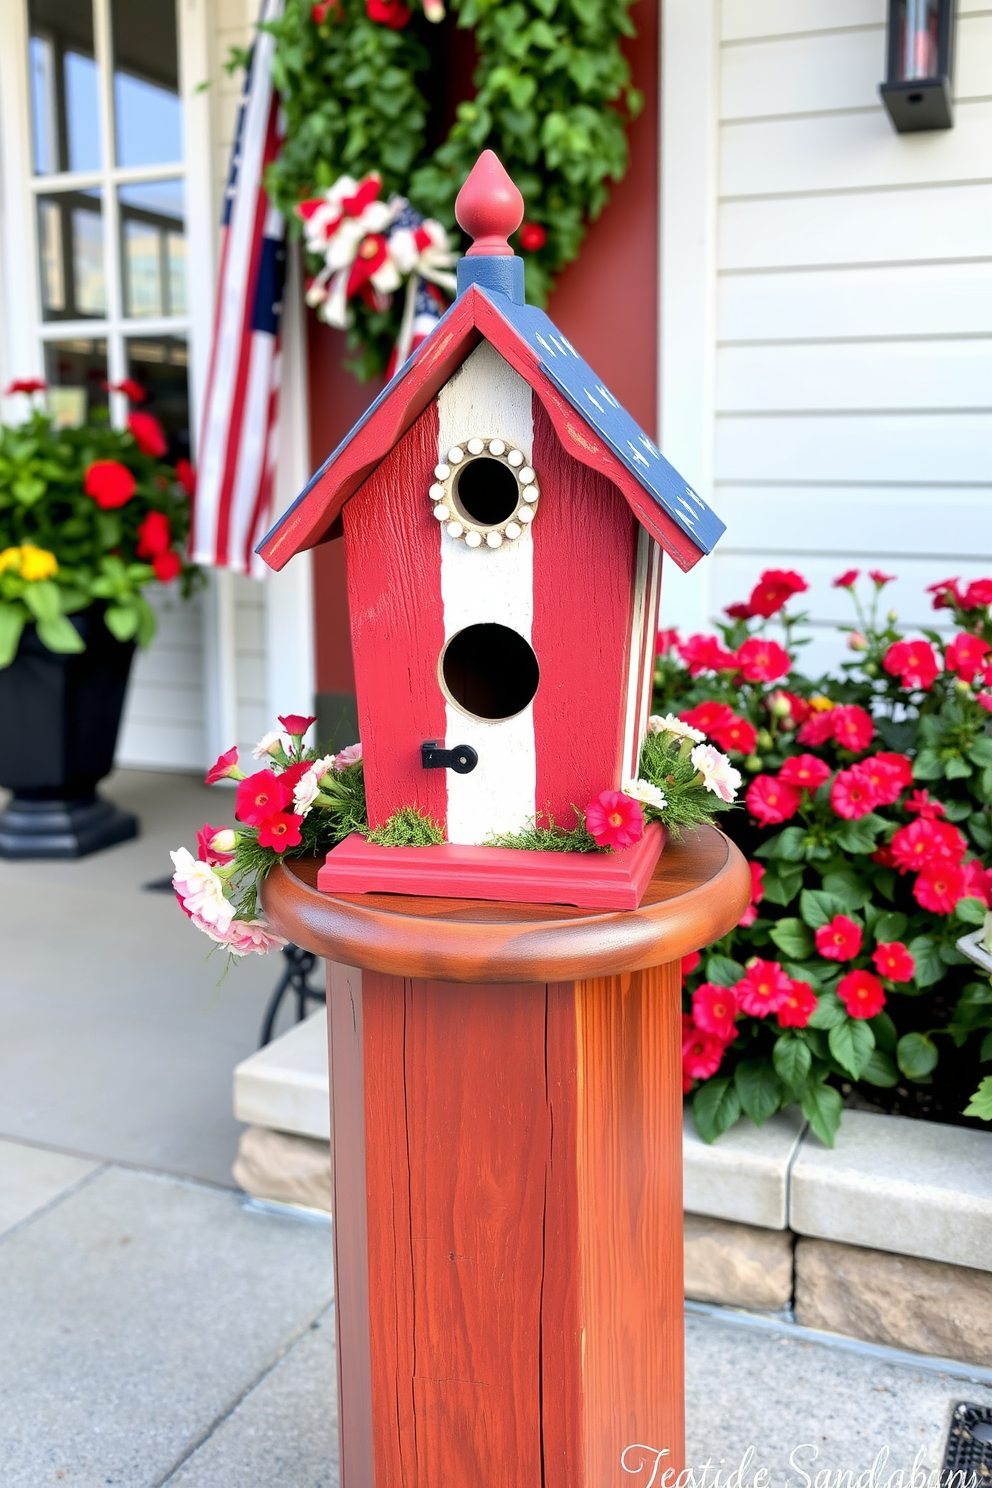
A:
<point x="705" y="654"/>
<point x="852" y="794"/>
<point x="689" y="964"/>
<point x="737" y="735"/>
<point x="798" y="1006"/>
<point x="938" y="887"/>
<point x="774" y="589"/>
<point x="665" y="640"/>
<point x="847" y="579"/>
<point x="714" y="1010"/>
<point x="352" y="755"/>
<point x="900" y="762"/>
<point x="701" y="1053"/>
<point x="977" y="882"/>
<point x="717" y="773"/>
<point x="757" y="894"/>
<point x="914" y="663"/>
<point x="840" y="940"/>
<point x="200" y="891"/>
<point x="946" y="595"/>
<point x="296" y="724"/>
<point x="818" y="728"/>
<point x="763" y="988"/>
<point x="892" y="960"/>
<point x="280" y="830"/>
<point x="761" y="660"/>
<point x="965" y="655"/>
<point x="225" y="766"/>
<point x="879" y="578"/>
<point x="805" y="771"/>
<point x="772" y="801"/>
<point x="615" y="820"/>
<point x="247" y="936"/>
<point x="262" y="795"/>
<point x="918" y="803"/>
<point x="977" y="595"/>
<point x="927" y="842"/>
<point x="852" y="727"/>
<point x="984" y="700"/>
<point x="206" y="838"/>
<point x="861" y="993"/>
<point x="885" y="779"/>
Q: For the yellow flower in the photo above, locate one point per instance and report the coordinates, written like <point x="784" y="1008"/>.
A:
<point x="10" y="558"/>
<point x="821" y="704"/>
<point x="37" y="563"/>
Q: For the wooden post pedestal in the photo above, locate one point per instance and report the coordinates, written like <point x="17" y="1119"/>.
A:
<point x="507" y="1135"/>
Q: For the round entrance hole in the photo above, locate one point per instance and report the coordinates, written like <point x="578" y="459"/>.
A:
<point x="490" y="671"/>
<point x="486" y="491"/>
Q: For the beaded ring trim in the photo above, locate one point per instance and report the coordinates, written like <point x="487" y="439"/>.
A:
<point x="448" y="509"/>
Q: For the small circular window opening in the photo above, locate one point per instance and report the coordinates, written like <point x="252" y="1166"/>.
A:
<point x="489" y="671"/>
<point x="485" y="493"/>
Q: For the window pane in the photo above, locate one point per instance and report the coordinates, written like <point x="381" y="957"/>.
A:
<point x="146" y="82"/>
<point x="65" y="95"/>
<point x="153" y="248"/>
<point x="70" y="245"/>
<point x="76" y="373"/>
<point x="159" y="364"/>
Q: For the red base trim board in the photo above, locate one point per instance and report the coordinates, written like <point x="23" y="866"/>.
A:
<point x="588" y="880"/>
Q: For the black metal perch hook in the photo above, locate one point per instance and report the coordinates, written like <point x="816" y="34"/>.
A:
<point x="462" y="759"/>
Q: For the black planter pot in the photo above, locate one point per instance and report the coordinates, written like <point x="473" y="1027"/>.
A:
<point x="59" y="719"/>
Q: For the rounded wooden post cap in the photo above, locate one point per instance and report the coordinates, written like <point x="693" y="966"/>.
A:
<point x="489" y="207"/>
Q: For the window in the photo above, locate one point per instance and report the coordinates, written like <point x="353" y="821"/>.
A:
<point x="110" y="219"/>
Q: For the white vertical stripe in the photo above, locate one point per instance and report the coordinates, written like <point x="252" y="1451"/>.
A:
<point x="631" y="742"/>
<point x="486" y="399"/>
<point x="650" y="633"/>
<point x="252" y="446"/>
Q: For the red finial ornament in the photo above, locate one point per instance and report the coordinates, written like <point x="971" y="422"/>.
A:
<point x="489" y="207"/>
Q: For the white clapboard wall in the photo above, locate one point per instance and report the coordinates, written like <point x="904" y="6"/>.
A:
<point x="853" y="324"/>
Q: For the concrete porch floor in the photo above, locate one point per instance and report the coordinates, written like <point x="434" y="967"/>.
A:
<point x="154" y="1330"/>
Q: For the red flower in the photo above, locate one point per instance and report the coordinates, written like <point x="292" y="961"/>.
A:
<point x="705" y="654"/>
<point x="818" y="728"/>
<point x="881" y="579"/>
<point x="763" y="989"/>
<point x="762" y="660"/>
<point x="771" y="801"/>
<point x="665" y="640"/>
<point x="154" y="535"/>
<point x="892" y="960"/>
<point x="738" y="611"/>
<point x="131" y="389"/>
<point x="883" y="857"/>
<point x="774" y="589"/>
<point x="736" y="734"/>
<point x="296" y="724"/>
<point x="205" y="853"/>
<point x="946" y="594"/>
<point x="847" y="579"/>
<point x="938" y="887"/>
<point x="840" y="940"/>
<point x="532" y="237"/>
<point x="224" y="765"/>
<point x="701" y="1054"/>
<point x="322" y="10"/>
<point x="798" y="1006"/>
<point x="852" y="727"/>
<point x="900" y="762"/>
<point x="279" y="831"/>
<point x="920" y="804"/>
<point x="885" y="778"/>
<point x="984" y="700"/>
<point x="110" y="483"/>
<point x="708" y="716"/>
<point x="167" y="566"/>
<point x="714" y="1010"/>
<point x="25" y="385"/>
<point x="791" y="709"/>
<point x="615" y="820"/>
<point x="913" y="662"/>
<point x="965" y="654"/>
<point x="977" y="595"/>
<point x="148" y="434"/>
<point x="805" y="771"/>
<point x="927" y="842"/>
<point x="260" y="796"/>
<point x="852" y="794"/>
<point x="689" y="963"/>
<point x="294" y="773"/>
<point x="757" y="894"/>
<point x="861" y="993"/>
<point x="977" y="882"/>
<point x="391" y="13"/>
<point x="186" y="476"/>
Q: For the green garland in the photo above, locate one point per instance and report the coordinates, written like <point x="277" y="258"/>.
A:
<point x="552" y="98"/>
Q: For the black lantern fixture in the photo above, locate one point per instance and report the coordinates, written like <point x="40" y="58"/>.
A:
<point x="917" y="90"/>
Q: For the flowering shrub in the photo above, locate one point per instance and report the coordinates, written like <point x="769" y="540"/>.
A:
<point x="88" y="514"/>
<point x="867" y="826"/>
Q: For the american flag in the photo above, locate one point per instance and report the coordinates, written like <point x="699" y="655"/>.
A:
<point x="241" y="403"/>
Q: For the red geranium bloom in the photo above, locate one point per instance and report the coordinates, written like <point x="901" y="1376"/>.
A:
<point x="391" y="13"/>
<point x="900" y="762"/>
<point x="705" y="654"/>
<point x="852" y="727"/>
<point x="260" y="796"/>
<point x="762" y="660"/>
<point x="110" y="483"/>
<point x="914" y="663"/>
<point x="804" y="770"/>
<point x="977" y="882"/>
<point x="977" y="595"/>
<point x="292" y="774"/>
<point x="965" y="655"/>
<point x="736" y="734"/>
<point x="984" y="700"/>
<point x="689" y="963"/>
<point x="738" y="611"/>
<point x="186" y="476"/>
<point x="763" y="988"/>
<point x="167" y="566"/>
<point x="757" y="894"/>
<point x="852" y="794"/>
<point x="920" y="804"/>
<point x="886" y="779"/>
<point x="798" y="1006"/>
<point x="664" y="641"/>
<point x="701" y="1054"/>
<point x="148" y="434"/>
<point x="883" y="857"/>
<point x="818" y="728"/>
<point x="224" y="765"/>
<point x="296" y="724"/>
<point x="532" y="236"/>
<point x="938" y="887"/>
<point x="154" y="535"/>
<point x="714" y="1010"/>
<point x="322" y="10"/>
<point x="204" y="852"/>
<point x="615" y="820"/>
<point x="774" y="589"/>
<point x="279" y="831"/>
<point x="925" y="842"/>
<point x="892" y="960"/>
<point x="847" y="579"/>
<point x="25" y="385"/>
<point x="881" y="579"/>
<point x="771" y="801"/>
<point x="132" y="390"/>
<point x="840" y="940"/>
<point x="946" y="594"/>
<point x="861" y="993"/>
<point x="708" y="716"/>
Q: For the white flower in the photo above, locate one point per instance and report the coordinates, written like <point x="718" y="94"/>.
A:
<point x="201" y="891"/>
<point x="321" y="766"/>
<point x="268" y="744"/>
<point x="672" y="725"/>
<point x="245" y="936"/>
<point x="305" y="792"/>
<point x="645" y="791"/>
<point x="719" y="775"/>
<point x="224" y="841"/>
<point x="349" y="756"/>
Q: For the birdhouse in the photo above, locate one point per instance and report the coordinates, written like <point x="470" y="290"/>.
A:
<point x="505" y="523"/>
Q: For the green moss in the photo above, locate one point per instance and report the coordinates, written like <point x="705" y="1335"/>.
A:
<point x="534" y="837"/>
<point x="407" y="828"/>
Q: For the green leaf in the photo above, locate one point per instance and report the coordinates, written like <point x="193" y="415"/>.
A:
<point x="880" y="1070"/>
<point x="792" y="1060"/>
<point x="886" y="1035"/>
<point x="928" y="765"/>
<point x="759" y="1088"/>
<point x="957" y="768"/>
<point x="916" y="1055"/>
<point x="715" y="1107"/>
<point x="722" y="971"/>
<point x="848" y="888"/>
<point x="980" y="1104"/>
<point x="146" y="621"/>
<point x="791" y="844"/>
<point x="981" y="750"/>
<point x="121" y="621"/>
<point x="782" y="883"/>
<point x="12" y="620"/>
<point x="28" y="489"/>
<point x="830" y="1011"/>
<point x="859" y="836"/>
<point x="851" y="1044"/>
<point x="889" y="927"/>
<point x="792" y="938"/>
<point x="822" y="1108"/>
<point x="972" y="911"/>
<point x="818" y="908"/>
<point x="60" y="635"/>
<point x="926" y="953"/>
<point x="42" y="599"/>
<point x="985" y="1052"/>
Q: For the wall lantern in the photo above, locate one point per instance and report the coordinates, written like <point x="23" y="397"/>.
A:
<point x="917" y="90"/>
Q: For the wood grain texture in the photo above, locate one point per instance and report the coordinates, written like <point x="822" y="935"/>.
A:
<point x="699" y="890"/>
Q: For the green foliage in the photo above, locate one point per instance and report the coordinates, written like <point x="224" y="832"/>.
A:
<point x="552" y="98"/>
<point x="980" y="1104"/>
<point x="666" y="762"/>
<point x="407" y="828"/>
<point x="549" y="837"/>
